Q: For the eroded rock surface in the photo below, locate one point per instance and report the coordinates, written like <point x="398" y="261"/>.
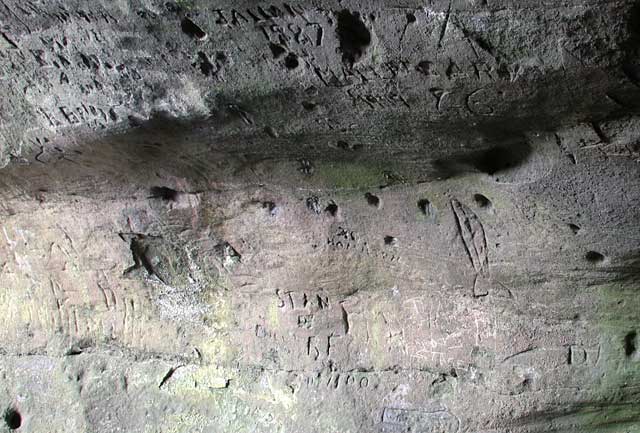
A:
<point x="320" y="216"/>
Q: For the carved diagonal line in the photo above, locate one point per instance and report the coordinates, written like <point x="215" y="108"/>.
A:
<point x="473" y="236"/>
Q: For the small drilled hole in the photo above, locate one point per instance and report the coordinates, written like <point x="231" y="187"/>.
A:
<point x="12" y="418"/>
<point x="482" y="201"/>
<point x="594" y="257"/>
<point x="574" y="228"/>
<point x="291" y="61"/>
<point x="411" y="18"/>
<point x="390" y="240"/>
<point x="372" y="199"/>
<point x="332" y="209"/>
<point x="425" y="207"/>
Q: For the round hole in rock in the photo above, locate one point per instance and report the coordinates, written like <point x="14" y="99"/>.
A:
<point x="291" y="61"/>
<point x="332" y="208"/>
<point x="594" y="257"/>
<point x="12" y="418"/>
<point x="372" y="199"/>
<point x="574" y="228"/>
<point x="482" y="201"/>
<point x="425" y="207"/>
<point x="411" y="18"/>
<point x="390" y="240"/>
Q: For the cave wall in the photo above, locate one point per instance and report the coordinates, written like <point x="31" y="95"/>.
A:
<point x="320" y="216"/>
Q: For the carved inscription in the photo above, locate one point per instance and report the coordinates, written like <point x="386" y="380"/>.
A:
<point x="304" y="325"/>
<point x="409" y="420"/>
<point x="424" y="331"/>
<point x="287" y="25"/>
<point x="346" y="381"/>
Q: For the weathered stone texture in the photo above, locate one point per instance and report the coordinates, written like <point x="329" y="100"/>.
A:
<point x="320" y="216"/>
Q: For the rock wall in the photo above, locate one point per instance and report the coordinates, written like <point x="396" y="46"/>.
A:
<point x="320" y="216"/>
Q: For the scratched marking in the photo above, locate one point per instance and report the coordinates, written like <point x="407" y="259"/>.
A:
<point x="473" y="236"/>
<point x="420" y="420"/>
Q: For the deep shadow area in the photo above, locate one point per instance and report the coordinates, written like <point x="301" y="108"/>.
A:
<point x="354" y="36"/>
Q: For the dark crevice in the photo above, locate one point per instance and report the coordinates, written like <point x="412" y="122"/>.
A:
<point x="276" y="50"/>
<point x="9" y="41"/>
<point x="353" y="35"/>
<point x="514" y="152"/>
<point x="594" y="257"/>
<point x="191" y="29"/>
<point x="167" y="376"/>
<point x="164" y="193"/>
<point x="631" y="64"/>
<point x="309" y="106"/>
<point x="139" y="250"/>
<point x="600" y="133"/>
<point x="206" y="67"/>
<point x="424" y="67"/>
<point x="501" y="158"/>
<point x="227" y="253"/>
<point x="348" y="147"/>
<point x="425" y="207"/>
<point x="79" y="347"/>
<point x="630" y="343"/>
<point x="481" y="201"/>
<point x="271" y="132"/>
